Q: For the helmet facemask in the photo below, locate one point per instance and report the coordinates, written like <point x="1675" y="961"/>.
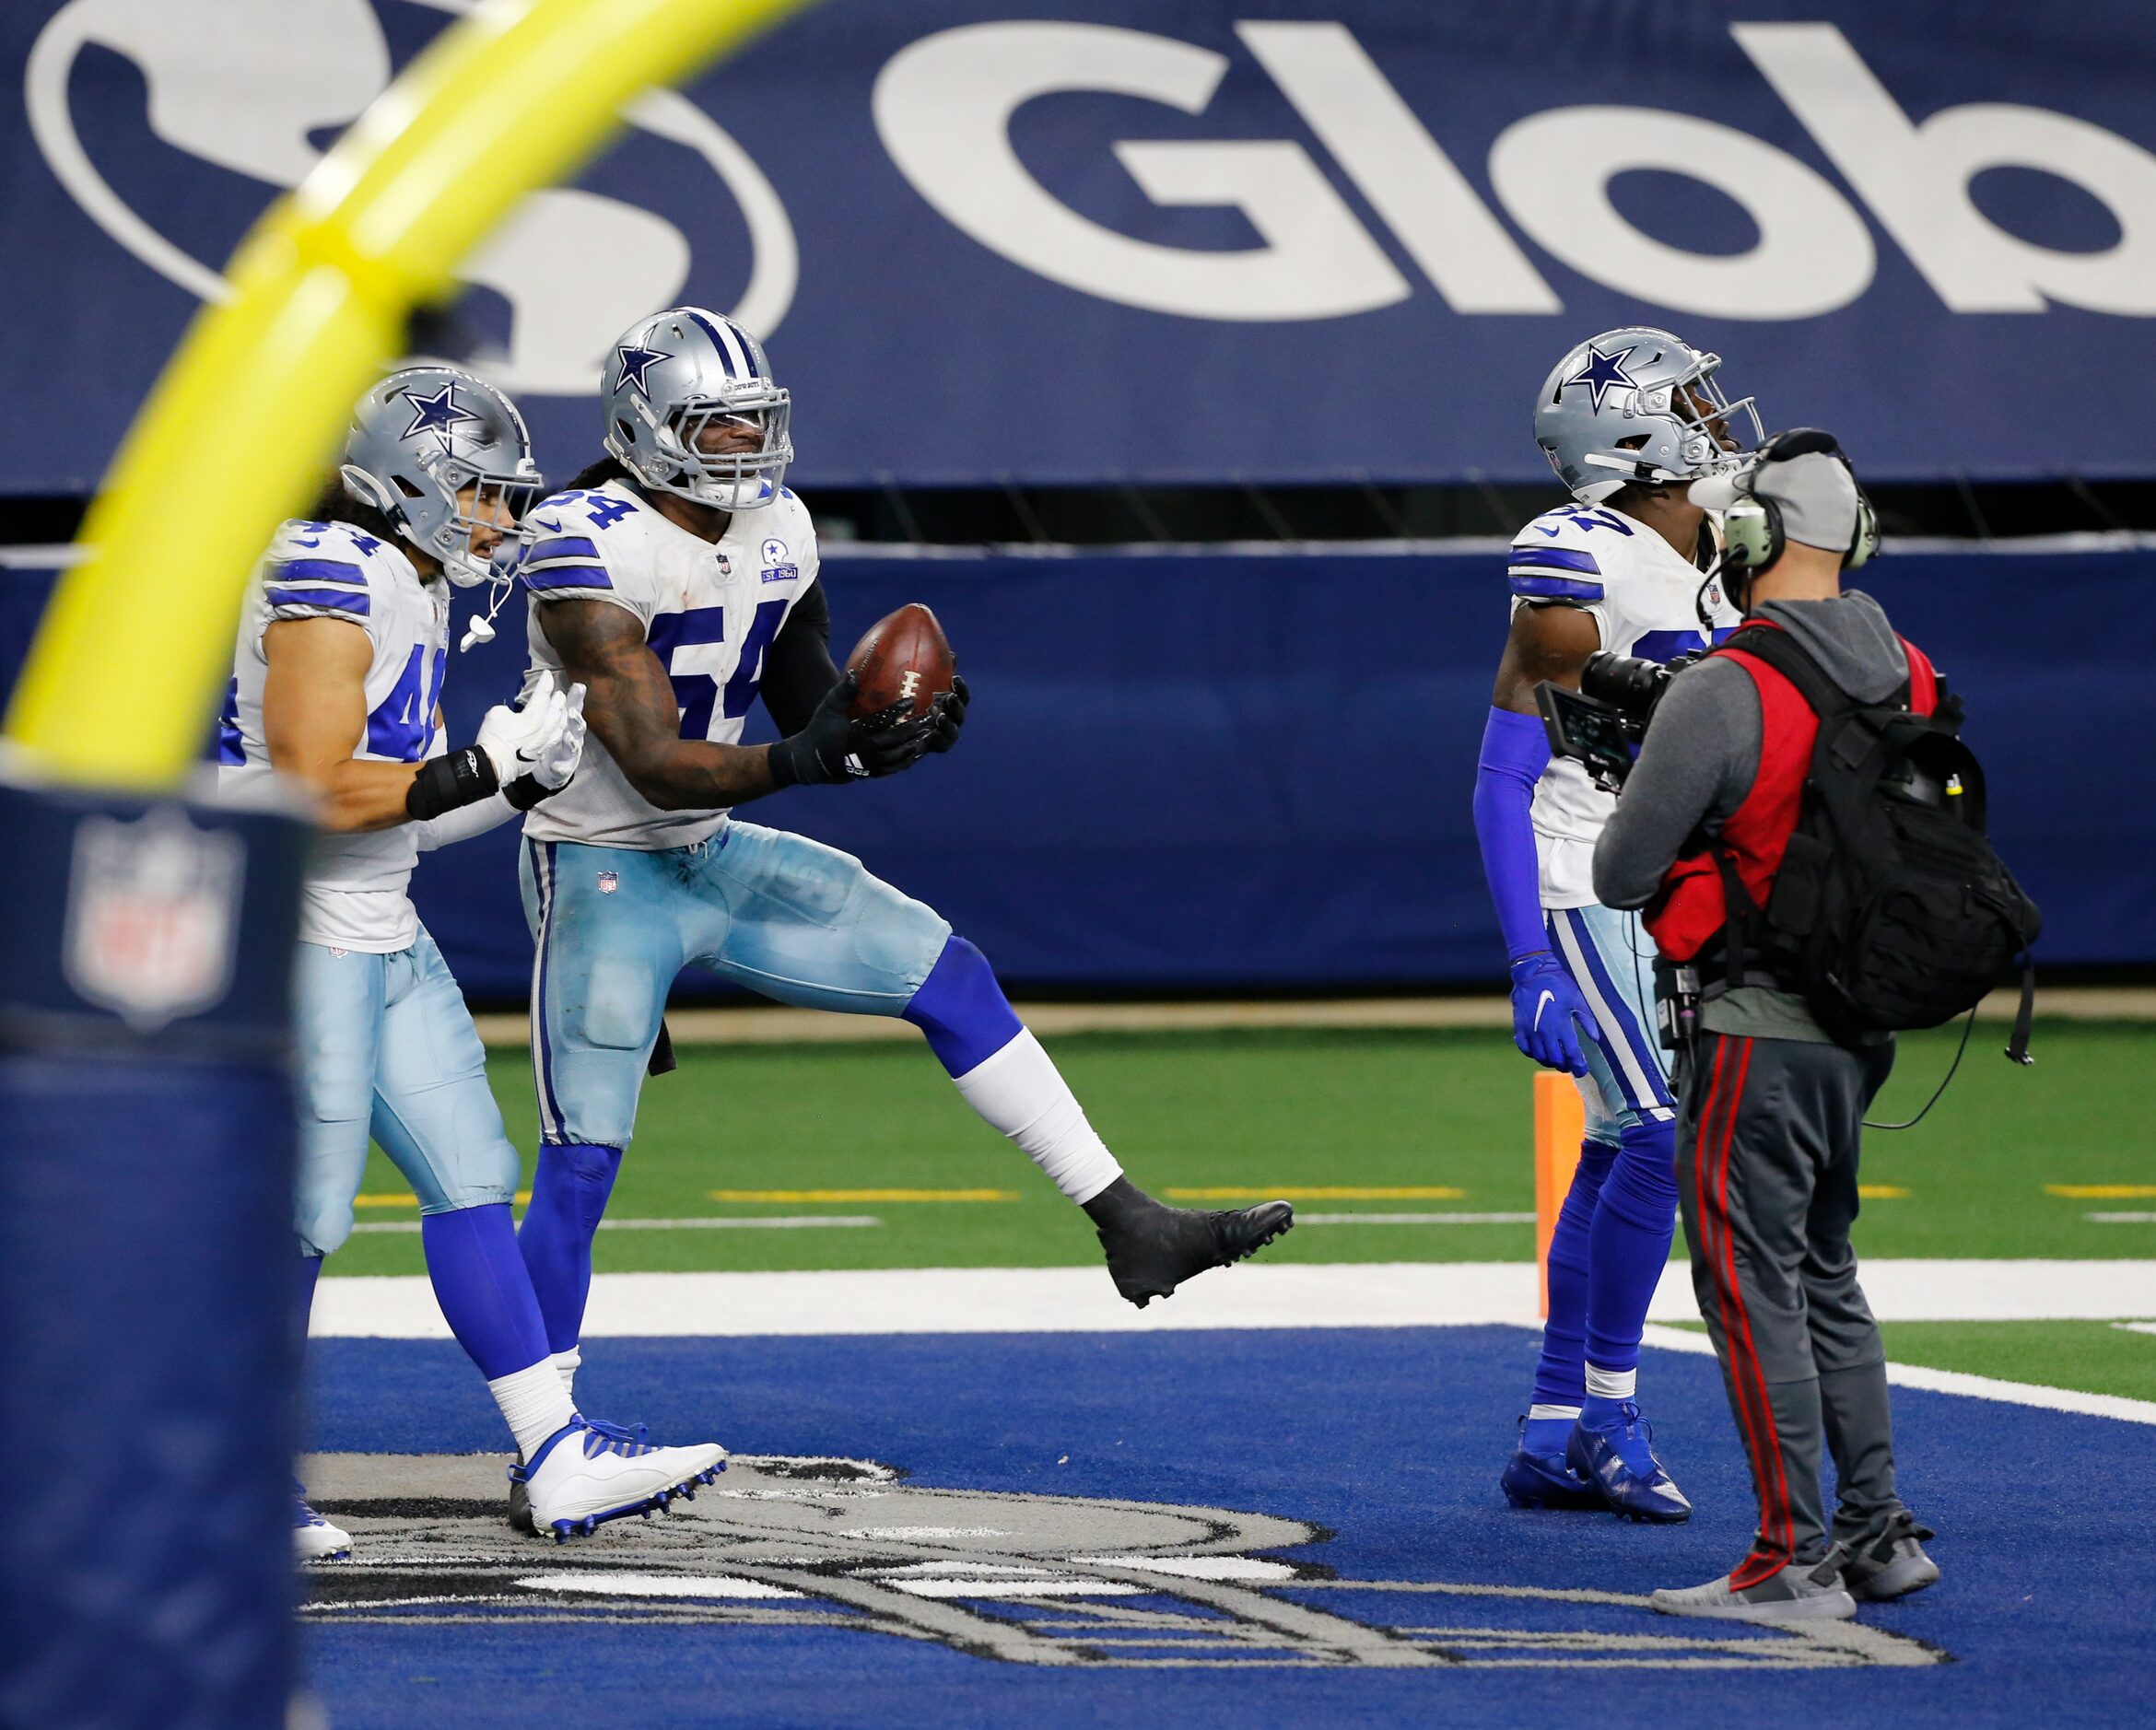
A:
<point x="1639" y="406"/>
<point x="1703" y="417"/>
<point x="422" y="439"/>
<point x="729" y="481"/>
<point x="430" y="512"/>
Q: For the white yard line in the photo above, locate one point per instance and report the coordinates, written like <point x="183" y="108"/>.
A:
<point x="1414" y="1219"/>
<point x="1277" y="1295"/>
<point x="773" y="1223"/>
<point x="1954" y="1381"/>
<point x="1259" y="1295"/>
<point x="758" y="1024"/>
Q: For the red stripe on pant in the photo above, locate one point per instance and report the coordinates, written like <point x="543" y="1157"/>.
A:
<point x="1703" y="1167"/>
<point x="1774" y="1489"/>
<point x="1755" y="1410"/>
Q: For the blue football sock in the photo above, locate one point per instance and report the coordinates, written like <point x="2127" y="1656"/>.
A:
<point x="302" y="1308"/>
<point x="1629" y="1246"/>
<point x="1561" y="1373"/>
<point x="303" y="1295"/>
<point x="483" y="1291"/>
<point x="962" y="1008"/>
<point x="569" y="1188"/>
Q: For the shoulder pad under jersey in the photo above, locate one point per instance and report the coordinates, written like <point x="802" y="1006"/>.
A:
<point x="571" y="536"/>
<point x="1568" y="554"/>
<point x="325" y="570"/>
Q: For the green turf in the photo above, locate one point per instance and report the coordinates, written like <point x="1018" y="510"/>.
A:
<point x="2091" y="1357"/>
<point x="1301" y="1109"/>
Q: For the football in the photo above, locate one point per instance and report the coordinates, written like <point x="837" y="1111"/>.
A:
<point x="904" y="658"/>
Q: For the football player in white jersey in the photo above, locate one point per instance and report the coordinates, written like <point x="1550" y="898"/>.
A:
<point x="336" y="681"/>
<point x="1628" y="419"/>
<point x="678" y="581"/>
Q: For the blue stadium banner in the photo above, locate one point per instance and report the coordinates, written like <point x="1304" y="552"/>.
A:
<point x="1271" y="785"/>
<point x="1124" y="239"/>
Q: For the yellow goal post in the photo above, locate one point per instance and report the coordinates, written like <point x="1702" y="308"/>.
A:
<point x="137" y="639"/>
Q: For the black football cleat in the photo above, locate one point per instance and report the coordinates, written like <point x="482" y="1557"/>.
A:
<point x="1151" y="1248"/>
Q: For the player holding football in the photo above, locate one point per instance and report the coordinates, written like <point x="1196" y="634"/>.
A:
<point x="1628" y="419"/>
<point x="677" y="581"/>
<point x="337" y="681"/>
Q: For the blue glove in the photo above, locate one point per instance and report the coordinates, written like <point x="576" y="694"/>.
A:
<point x="1544" y="1005"/>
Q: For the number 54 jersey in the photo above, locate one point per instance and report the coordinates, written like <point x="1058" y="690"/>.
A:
<point x="709" y="610"/>
<point x="1647" y="599"/>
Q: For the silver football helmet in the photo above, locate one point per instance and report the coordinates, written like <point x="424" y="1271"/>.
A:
<point x="674" y="375"/>
<point x="421" y="436"/>
<point x="1637" y="404"/>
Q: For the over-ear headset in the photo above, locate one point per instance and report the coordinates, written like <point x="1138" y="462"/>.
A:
<point x="1752" y="533"/>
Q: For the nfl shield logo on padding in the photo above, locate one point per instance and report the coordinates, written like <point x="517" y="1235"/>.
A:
<point x="153" y="910"/>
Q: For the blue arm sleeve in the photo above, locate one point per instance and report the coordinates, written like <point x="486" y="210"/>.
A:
<point x="1515" y="753"/>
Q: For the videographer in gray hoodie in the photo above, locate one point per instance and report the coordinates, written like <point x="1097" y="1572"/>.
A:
<point x="1770" y="1104"/>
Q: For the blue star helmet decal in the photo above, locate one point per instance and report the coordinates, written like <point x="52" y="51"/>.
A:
<point x="440" y="414"/>
<point x="1602" y="374"/>
<point x="634" y="363"/>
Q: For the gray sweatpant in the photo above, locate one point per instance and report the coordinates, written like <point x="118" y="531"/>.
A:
<point x="1767" y="1134"/>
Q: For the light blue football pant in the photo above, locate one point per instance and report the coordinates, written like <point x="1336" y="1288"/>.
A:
<point x="1613" y="1232"/>
<point x="1611" y="960"/>
<point x="386" y="1047"/>
<point x="789" y="917"/>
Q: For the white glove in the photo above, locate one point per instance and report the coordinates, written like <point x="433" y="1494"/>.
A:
<point x="558" y="762"/>
<point x="543" y="739"/>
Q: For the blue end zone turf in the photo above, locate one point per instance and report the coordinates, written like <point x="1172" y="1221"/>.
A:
<point x="1391" y="1440"/>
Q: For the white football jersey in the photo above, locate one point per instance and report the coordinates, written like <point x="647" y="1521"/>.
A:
<point x="709" y="610"/>
<point x="355" y="892"/>
<point x="1646" y="598"/>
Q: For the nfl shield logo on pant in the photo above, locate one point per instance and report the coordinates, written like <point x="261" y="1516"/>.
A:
<point x="608" y="883"/>
<point x="152" y="916"/>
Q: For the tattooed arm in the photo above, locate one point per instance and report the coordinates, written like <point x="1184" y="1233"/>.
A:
<point x="629" y="706"/>
<point x="629" y="703"/>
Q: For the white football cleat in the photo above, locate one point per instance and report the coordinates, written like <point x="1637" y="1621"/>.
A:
<point x="589" y="1472"/>
<point x="313" y="1537"/>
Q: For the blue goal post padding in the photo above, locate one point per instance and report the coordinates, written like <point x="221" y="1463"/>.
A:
<point x="148" y="1351"/>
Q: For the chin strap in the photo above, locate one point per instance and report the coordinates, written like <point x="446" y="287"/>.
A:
<point x="481" y="630"/>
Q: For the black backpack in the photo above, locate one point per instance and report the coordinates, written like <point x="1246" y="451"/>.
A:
<point x="1891" y="908"/>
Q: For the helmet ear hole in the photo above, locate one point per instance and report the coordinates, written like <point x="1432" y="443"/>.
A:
<point x="367" y="491"/>
<point x="406" y="487"/>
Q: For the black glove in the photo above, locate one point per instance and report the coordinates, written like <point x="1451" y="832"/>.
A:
<point x="948" y="714"/>
<point x="833" y="747"/>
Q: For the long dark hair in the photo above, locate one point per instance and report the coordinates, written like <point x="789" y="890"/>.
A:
<point x="335" y="503"/>
<point x="607" y="468"/>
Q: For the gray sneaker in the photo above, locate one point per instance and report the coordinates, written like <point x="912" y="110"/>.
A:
<point x="1797" y="1593"/>
<point x="1889" y="1562"/>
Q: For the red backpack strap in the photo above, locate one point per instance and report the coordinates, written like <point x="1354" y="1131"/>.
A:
<point x="1923" y="679"/>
